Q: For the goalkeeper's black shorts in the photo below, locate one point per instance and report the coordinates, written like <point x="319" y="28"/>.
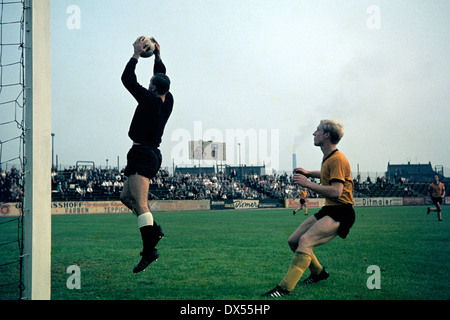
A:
<point x="143" y="160"/>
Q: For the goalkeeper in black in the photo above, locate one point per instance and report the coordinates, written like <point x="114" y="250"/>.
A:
<point x="144" y="159"/>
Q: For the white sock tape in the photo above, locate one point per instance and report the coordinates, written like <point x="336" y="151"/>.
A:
<point x="145" y="219"/>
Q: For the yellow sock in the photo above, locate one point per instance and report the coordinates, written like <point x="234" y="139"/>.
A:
<point x="299" y="264"/>
<point x="315" y="266"/>
<point x="306" y="210"/>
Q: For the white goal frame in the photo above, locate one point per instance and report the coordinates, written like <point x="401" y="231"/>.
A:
<point x="37" y="150"/>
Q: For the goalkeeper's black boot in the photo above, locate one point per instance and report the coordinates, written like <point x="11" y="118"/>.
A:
<point x="151" y="235"/>
<point x="147" y="258"/>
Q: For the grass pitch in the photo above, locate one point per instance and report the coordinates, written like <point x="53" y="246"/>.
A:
<point x="229" y="255"/>
<point x="238" y="255"/>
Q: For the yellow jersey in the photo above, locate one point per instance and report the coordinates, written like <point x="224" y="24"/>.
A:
<point x="336" y="167"/>
<point x="303" y="194"/>
<point x="436" y="190"/>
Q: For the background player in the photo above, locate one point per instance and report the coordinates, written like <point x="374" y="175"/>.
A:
<point x="154" y="107"/>
<point x="437" y="193"/>
<point x="335" y="218"/>
<point x="303" y="195"/>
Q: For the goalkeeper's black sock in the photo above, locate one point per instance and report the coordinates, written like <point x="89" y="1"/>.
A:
<point x="150" y="237"/>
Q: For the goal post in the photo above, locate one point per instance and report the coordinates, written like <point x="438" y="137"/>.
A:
<point x="37" y="150"/>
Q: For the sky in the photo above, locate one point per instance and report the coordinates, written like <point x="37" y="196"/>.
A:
<point x="259" y="76"/>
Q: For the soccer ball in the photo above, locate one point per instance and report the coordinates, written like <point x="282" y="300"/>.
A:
<point x="149" y="46"/>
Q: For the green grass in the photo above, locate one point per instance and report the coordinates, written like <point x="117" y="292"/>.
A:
<point x="237" y="255"/>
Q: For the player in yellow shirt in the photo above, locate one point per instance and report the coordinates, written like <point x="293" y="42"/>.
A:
<point x="334" y="219"/>
<point x="303" y="195"/>
<point x="437" y="193"/>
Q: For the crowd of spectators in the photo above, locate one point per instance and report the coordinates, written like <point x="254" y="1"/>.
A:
<point x="385" y="187"/>
<point x="220" y="186"/>
<point x="87" y="183"/>
<point x="90" y="183"/>
<point x="10" y="186"/>
<point x="201" y="186"/>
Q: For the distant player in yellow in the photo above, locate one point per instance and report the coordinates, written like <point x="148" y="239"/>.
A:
<point x="437" y="193"/>
<point x="303" y="195"/>
<point x="334" y="219"/>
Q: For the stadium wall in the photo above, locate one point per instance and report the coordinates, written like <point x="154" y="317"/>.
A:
<point x="310" y="203"/>
<point x="12" y="209"/>
<point x="361" y="202"/>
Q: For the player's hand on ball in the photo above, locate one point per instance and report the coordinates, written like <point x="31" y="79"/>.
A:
<point x="158" y="47"/>
<point x="139" y="45"/>
<point x="157" y="50"/>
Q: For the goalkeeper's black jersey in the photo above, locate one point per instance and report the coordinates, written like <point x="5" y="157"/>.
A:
<point x="151" y="114"/>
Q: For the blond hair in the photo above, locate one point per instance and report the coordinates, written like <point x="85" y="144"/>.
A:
<point x="335" y="129"/>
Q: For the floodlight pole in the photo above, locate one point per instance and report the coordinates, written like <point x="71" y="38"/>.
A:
<point x="53" y="149"/>
<point x="37" y="150"/>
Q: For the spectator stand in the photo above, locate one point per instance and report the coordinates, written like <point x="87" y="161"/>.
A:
<point x="86" y="182"/>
